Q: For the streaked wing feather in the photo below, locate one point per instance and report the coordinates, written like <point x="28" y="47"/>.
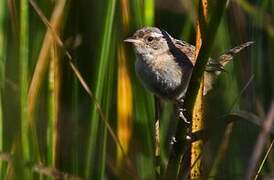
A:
<point x="186" y="48"/>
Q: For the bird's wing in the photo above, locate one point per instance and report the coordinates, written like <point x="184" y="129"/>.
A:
<point x="187" y="49"/>
<point x="214" y="66"/>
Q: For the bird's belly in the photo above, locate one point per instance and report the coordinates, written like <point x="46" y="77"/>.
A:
<point x="164" y="83"/>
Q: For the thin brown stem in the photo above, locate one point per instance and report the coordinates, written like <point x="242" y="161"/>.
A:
<point x="260" y="144"/>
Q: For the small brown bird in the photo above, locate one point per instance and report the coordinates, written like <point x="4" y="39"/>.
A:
<point x="164" y="64"/>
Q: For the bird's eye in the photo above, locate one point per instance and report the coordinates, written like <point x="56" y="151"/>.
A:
<point x="149" y="38"/>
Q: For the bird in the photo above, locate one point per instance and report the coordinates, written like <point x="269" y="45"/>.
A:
<point x="164" y="64"/>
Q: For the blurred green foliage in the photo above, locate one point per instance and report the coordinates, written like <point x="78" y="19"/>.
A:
<point x="72" y="135"/>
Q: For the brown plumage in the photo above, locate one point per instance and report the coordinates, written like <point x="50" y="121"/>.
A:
<point x="164" y="64"/>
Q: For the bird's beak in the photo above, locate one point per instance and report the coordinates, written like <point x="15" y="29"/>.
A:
<point x="132" y="40"/>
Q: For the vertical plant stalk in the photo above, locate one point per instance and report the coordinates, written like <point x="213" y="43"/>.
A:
<point x="24" y="77"/>
<point x="124" y="95"/>
<point x="179" y="154"/>
<point x="124" y="92"/>
<point x="203" y="55"/>
<point x="3" y="8"/>
<point x="196" y="126"/>
<point x="198" y="110"/>
<point x="56" y="71"/>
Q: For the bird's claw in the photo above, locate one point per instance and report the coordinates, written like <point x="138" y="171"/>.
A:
<point x="173" y="140"/>
<point x="182" y="116"/>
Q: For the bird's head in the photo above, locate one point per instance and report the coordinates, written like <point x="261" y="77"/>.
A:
<point x="149" y="42"/>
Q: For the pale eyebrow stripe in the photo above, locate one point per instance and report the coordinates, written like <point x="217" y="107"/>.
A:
<point x="155" y="34"/>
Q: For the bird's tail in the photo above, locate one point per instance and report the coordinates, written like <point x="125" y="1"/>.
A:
<point x="219" y="63"/>
<point x="214" y="67"/>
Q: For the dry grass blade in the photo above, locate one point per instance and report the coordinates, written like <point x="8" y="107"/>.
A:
<point x="53" y="172"/>
<point x="262" y="138"/>
<point x="42" y="64"/>
<point x="51" y="25"/>
<point x="14" y="20"/>
<point x="78" y="75"/>
<point x="97" y="105"/>
<point x="5" y="157"/>
<point x="43" y="60"/>
<point x="241" y="93"/>
<point x="247" y="116"/>
<point x="265" y="157"/>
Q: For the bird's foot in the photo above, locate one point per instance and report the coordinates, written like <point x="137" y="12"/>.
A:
<point x="182" y="116"/>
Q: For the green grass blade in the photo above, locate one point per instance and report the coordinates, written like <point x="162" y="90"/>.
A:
<point x="2" y="72"/>
<point x="137" y="13"/>
<point x="149" y="12"/>
<point x="24" y="79"/>
<point x="103" y="66"/>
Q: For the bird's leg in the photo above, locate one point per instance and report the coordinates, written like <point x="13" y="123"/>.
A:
<point x="157" y="136"/>
<point x="180" y="110"/>
<point x="157" y="125"/>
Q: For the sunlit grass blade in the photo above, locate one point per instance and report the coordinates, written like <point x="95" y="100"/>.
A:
<point x="124" y="94"/>
<point x="149" y="12"/>
<point x="198" y="119"/>
<point x="54" y="109"/>
<point x="124" y="99"/>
